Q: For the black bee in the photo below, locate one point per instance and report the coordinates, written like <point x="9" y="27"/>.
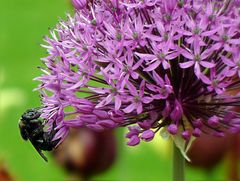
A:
<point x="32" y="128"/>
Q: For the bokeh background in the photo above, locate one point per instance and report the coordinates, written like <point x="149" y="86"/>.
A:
<point x="23" y="23"/>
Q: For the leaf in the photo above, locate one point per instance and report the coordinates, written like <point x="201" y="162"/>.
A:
<point x="164" y="134"/>
<point x="183" y="145"/>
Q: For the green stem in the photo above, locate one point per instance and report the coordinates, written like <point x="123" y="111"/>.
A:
<point x="178" y="164"/>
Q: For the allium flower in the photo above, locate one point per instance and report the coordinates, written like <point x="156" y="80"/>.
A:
<point x="148" y="65"/>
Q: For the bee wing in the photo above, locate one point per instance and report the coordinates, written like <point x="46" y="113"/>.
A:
<point x="39" y="151"/>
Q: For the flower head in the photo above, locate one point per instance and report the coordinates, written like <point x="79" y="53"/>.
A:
<point x="147" y="65"/>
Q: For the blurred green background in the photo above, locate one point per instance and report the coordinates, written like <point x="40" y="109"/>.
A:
<point x="23" y="23"/>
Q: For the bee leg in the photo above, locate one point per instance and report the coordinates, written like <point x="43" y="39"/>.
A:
<point x="53" y="131"/>
<point x="37" y="131"/>
<point x="48" y="137"/>
<point x="34" y="121"/>
<point x="52" y="134"/>
<point x="47" y="144"/>
<point x="39" y="141"/>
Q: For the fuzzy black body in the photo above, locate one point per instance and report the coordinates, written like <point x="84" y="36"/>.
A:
<point x="32" y="128"/>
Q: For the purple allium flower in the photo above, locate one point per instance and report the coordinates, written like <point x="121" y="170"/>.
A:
<point x="148" y="65"/>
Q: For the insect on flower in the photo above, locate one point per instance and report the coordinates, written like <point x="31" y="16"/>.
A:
<point x="32" y="128"/>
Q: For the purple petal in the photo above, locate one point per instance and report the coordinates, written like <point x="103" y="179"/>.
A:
<point x="205" y="79"/>
<point x="166" y="111"/>
<point x="177" y="112"/>
<point x="172" y="56"/>
<point x="61" y="134"/>
<point x="207" y="53"/>
<point x="146" y="124"/>
<point x="186" y="64"/>
<point x="229" y="116"/>
<point x="73" y="123"/>
<point x="134" y="140"/>
<point x="79" y="4"/>
<point x="227" y="61"/>
<point x="77" y="85"/>
<point x="197" y="70"/>
<point x="146" y="56"/>
<point x="165" y="64"/>
<point x="130" y="108"/>
<point x="99" y="90"/>
<point x="158" y="79"/>
<point x="147" y="135"/>
<point x="217" y="46"/>
<point x="107" y="123"/>
<point x="209" y="33"/>
<point x="110" y="29"/>
<point x="138" y="64"/>
<point x="105" y="101"/>
<point x="234" y="41"/>
<point x="101" y="114"/>
<point x="187" y="54"/>
<point x="133" y="130"/>
<point x="184" y="32"/>
<point x="134" y="75"/>
<point x="207" y="64"/>
<point x="131" y="88"/>
<point x="88" y="118"/>
<point x="152" y="66"/>
<point x="118" y="102"/>
<point x="147" y="100"/>
<point x="139" y="108"/>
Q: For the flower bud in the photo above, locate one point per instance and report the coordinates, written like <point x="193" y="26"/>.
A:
<point x="207" y="151"/>
<point x="186" y="135"/>
<point x="86" y="152"/>
<point x="172" y="129"/>
<point x="147" y="135"/>
<point x="196" y="132"/>
<point x="134" y="140"/>
<point x="213" y="121"/>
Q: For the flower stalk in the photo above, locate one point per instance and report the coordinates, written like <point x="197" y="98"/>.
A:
<point x="178" y="164"/>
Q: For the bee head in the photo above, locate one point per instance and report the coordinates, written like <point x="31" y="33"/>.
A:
<point x="31" y="114"/>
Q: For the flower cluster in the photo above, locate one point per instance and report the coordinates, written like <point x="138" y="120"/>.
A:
<point x="145" y="64"/>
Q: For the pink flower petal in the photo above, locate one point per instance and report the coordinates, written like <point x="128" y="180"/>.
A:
<point x="197" y="70"/>
<point x="152" y="66"/>
<point x="129" y="108"/>
<point x="207" y="64"/>
<point x="186" y="64"/>
<point x="187" y="54"/>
